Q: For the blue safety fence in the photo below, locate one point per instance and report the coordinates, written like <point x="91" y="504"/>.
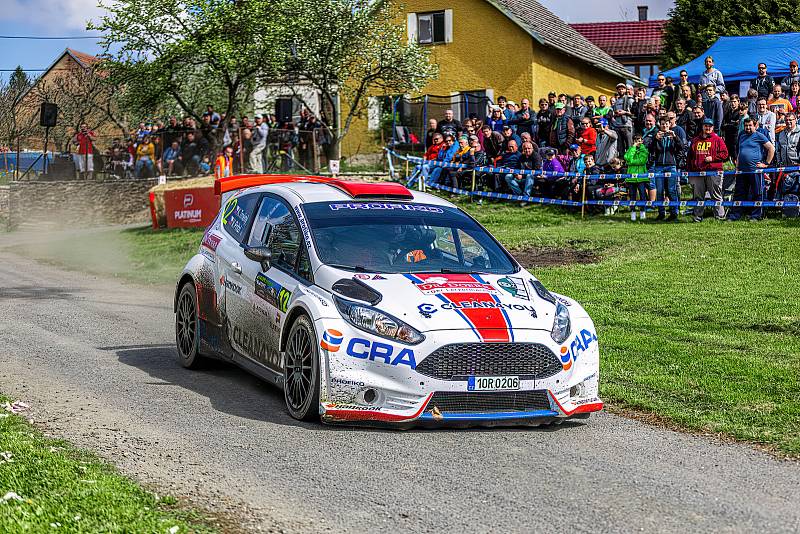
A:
<point x="593" y="178"/>
<point x="601" y="177"/>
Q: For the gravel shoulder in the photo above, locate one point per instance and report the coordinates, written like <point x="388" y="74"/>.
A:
<point x="95" y="359"/>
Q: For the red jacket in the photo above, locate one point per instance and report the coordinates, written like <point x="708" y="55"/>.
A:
<point x="589" y="144"/>
<point x="432" y="152"/>
<point x="712" y="146"/>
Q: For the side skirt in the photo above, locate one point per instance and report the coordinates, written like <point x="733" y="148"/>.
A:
<point x="214" y="344"/>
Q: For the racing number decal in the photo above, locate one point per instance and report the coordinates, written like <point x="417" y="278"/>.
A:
<point x="229" y="207"/>
<point x="283" y="300"/>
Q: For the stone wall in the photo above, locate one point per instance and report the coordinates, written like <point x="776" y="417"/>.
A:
<point x="77" y="203"/>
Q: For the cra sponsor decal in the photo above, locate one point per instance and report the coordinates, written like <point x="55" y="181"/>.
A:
<point x="383" y="206"/>
<point x="331" y="340"/>
<point x="255" y="347"/>
<point x="579" y="344"/>
<point x="362" y="276"/>
<point x="210" y="241"/>
<point x="426" y="310"/>
<point x="230" y="286"/>
<point x="514" y="287"/>
<point x="364" y="349"/>
<point x="304" y="227"/>
<point x="271" y="291"/>
<point x="433" y="285"/>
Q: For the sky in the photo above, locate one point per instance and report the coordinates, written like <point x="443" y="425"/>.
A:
<point x="69" y="17"/>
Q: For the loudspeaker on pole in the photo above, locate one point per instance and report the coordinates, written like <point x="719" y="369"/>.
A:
<point x="48" y="115"/>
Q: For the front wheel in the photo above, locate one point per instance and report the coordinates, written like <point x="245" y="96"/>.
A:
<point x="187" y="332"/>
<point x="301" y="372"/>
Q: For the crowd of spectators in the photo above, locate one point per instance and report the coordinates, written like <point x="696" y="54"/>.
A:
<point x="680" y="126"/>
<point x="188" y="148"/>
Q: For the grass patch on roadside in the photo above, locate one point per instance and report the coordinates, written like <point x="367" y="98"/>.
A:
<point x="66" y="489"/>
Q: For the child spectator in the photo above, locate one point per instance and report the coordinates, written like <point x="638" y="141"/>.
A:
<point x="223" y="167"/>
<point x="145" y="154"/>
<point x="587" y="137"/>
<point x="205" y="165"/>
<point x="636" y="157"/>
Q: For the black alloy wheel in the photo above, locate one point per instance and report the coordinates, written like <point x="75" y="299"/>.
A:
<point x="187" y="334"/>
<point x="301" y="372"/>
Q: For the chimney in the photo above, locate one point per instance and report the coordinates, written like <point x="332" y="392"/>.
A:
<point x="642" y="12"/>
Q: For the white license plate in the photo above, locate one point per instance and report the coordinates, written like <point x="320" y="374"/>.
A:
<point x="492" y="383"/>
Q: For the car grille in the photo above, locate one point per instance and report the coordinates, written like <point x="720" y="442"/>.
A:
<point x="529" y="361"/>
<point x="488" y="401"/>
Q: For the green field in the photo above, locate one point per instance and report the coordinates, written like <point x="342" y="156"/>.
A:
<point x="59" y="488"/>
<point x="699" y="324"/>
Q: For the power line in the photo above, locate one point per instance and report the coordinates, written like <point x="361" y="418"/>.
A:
<point x="44" y="38"/>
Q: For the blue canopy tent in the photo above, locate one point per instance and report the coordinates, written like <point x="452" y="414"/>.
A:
<point x="738" y="57"/>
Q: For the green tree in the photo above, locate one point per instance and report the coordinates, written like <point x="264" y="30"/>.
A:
<point x="186" y="54"/>
<point x="694" y="25"/>
<point x="348" y="50"/>
<point x="15" y="123"/>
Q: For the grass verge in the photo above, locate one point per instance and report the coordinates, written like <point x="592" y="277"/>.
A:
<point x="56" y="486"/>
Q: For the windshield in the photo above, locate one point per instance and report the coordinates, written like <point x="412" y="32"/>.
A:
<point x="387" y="237"/>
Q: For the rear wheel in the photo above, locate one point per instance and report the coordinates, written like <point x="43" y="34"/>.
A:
<point x="187" y="332"/>
<point x="301" y="372"/>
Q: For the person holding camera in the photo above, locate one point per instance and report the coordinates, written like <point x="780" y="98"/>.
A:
<point x="666" y="149"/>
<point x="84" y="138"/>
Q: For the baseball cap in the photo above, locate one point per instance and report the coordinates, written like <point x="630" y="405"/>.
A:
<point x="708" y="121"/>
<point x="559" y="105"/>
<point x="793" y="63"/>
<point x="473" y="138"/>
<point x="512" y="103"/>
<point x="589" y="98"/>
<point x="507" y="126"/>
<point x="573" y="146"/>
<point x="621" y="84"/>
<point x="495" y="108"/>
<point x="551" y="93"/>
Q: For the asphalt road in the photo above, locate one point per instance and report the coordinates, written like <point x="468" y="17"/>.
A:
<point x="95" y="359"/>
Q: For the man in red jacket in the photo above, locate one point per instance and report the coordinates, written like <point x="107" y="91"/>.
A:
<point x="708" y="152"/>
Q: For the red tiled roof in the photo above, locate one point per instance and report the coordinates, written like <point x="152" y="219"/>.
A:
<point x="630" y="38"/>
<point x="83" y="58"/>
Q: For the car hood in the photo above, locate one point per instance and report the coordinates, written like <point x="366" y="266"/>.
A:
<point x="491" y="305"/>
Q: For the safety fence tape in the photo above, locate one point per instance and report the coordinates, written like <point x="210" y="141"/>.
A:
<point x="591" y="177"/>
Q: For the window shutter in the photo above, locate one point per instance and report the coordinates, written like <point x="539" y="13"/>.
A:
<point x="448" y="25"/>
<point x="411" y="23"/>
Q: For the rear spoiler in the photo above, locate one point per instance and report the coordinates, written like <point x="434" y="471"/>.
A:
<point x="362" y="190"/>
<point x="232" y="183"/>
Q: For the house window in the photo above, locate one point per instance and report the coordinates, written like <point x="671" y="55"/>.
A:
<point x="431" y="28"/>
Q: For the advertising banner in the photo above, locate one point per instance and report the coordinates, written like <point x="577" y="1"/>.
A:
<point x="190" y="207"/>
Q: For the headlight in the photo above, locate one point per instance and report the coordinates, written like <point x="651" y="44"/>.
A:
<point x="376" y="322"/>
<point x="561" y="324"/>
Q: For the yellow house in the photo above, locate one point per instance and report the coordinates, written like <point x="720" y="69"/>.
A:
<point x="515" y="48"/>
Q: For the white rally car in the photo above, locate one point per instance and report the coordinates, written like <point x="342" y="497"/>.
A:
<point x="366" y="302"/>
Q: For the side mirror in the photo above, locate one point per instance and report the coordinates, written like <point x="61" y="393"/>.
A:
<point x="262" y="255"/>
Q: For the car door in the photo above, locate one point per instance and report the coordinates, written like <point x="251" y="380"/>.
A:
<point x="232" y="268"/>
<point x="276" y="228"/>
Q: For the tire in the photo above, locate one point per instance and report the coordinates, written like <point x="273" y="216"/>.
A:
<point x="301" y="371"/>
<point x="187" y="332"/>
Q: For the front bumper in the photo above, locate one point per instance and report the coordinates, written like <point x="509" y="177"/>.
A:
<point x="369" y="380"/>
